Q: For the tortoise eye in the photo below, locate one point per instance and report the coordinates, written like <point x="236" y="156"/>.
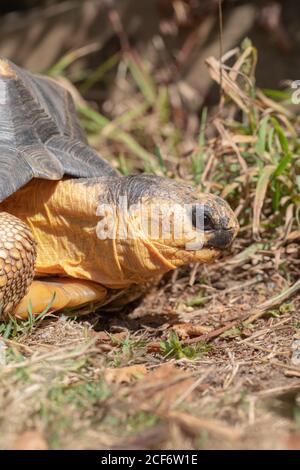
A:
<point x="202" y="220"/>
<point x="208" y="223"/>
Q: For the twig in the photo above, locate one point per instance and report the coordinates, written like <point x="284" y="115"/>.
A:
<point x="213" y="334"/>
<point x="285" y="366"/>
<point x="268" y="351"/>
<point x="278" y="390"/>
<point x="193" y="425"/>
<point x="191" y="389"/>
<point x="246" y="319"/>
<point x="274" y="302"/>
<point x="48" y="357"/>
<point x="16" y="344"/>
<point x="221" y="53"/>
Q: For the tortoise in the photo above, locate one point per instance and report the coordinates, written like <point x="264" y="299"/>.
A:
<point x="73" y="230"/>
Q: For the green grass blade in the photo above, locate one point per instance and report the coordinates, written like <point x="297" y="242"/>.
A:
<point x="160" y="159"/>
<point x="198" y="157"/>
<point x="287" y="155"/>
<point x="260" y="194"/>
<point x="120" y="136"/>
<point x="281" y="135"/>
<point x="142" y="78"/>
<point x="262" y="135"/>
<point x="99" y="73"/>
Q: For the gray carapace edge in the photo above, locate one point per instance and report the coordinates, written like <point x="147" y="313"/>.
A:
<point x="40" y="135"/>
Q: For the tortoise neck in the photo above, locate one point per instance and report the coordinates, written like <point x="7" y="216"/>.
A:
<point x="64" y="217"/>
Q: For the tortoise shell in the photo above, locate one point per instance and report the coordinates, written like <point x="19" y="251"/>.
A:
<point x="40" y="135"/>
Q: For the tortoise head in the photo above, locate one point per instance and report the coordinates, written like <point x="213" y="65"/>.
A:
<point x="174" y="221"/>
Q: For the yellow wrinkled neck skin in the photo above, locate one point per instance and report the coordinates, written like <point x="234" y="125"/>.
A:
<point x="62" y="217"/>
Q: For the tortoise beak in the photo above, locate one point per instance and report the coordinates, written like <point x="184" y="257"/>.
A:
<point x="223" y="238"/>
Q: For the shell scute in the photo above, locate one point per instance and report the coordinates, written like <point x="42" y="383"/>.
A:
<point x="40" y="134"/>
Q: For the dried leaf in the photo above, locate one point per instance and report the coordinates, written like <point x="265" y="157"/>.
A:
<point x="101" y="336"/>
<point x="30" y="440"/>
<point x="186" y="330"/>
<point x="163" y="387"/>
<point x="272" y="104"/>
<point x="125" y="374"/>
<point x="293" y="441"/>
<point x="293" y="236"/>
<point x="228" y="85"/>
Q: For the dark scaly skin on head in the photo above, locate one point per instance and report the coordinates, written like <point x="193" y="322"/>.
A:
<point x="140" y="186"/>
<point x="155" y="188"/>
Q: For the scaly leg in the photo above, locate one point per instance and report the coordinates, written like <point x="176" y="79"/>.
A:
<point x="57" y="294"/>
<point x="17" y="261"/>
<point x="17" y="287"/>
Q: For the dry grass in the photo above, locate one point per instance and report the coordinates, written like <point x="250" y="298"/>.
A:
<point x="139" y="385"/>
<point x="209" y="358"/>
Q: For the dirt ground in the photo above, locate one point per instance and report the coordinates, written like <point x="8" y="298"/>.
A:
<point x="210" y="357"/>
<point x="179" y="370"/>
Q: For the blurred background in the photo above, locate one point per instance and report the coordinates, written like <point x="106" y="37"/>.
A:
<point x="175" y="36"/>
<point x="109" y="49"/>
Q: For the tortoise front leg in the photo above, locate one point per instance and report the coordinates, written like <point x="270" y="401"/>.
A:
<point x="17" y="287"/>
<point x="58" y="294"/>
<point x="17" y="261"/>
